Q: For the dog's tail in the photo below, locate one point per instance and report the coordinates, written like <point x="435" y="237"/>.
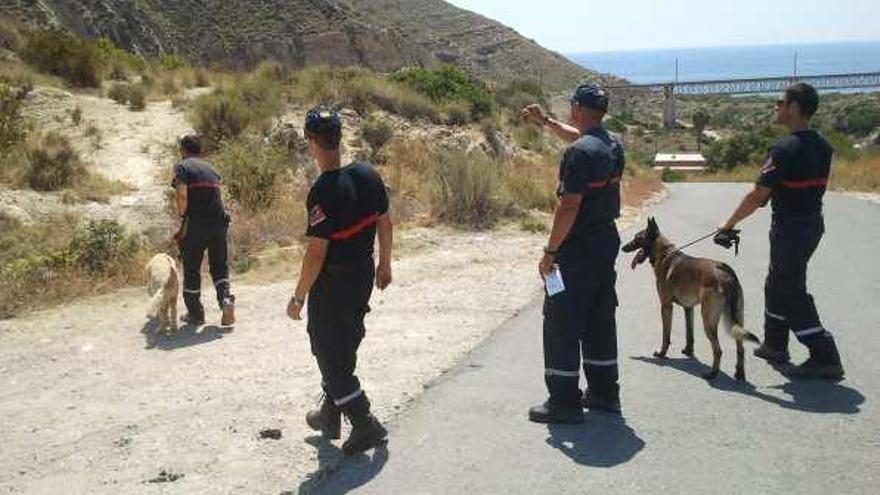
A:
<point x="734" y="310"/>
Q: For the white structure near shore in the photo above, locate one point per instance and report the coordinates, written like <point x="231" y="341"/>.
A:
<point x="680" y="162"/>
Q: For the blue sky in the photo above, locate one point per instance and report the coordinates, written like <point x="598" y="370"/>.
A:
<point x="571" y="26"/>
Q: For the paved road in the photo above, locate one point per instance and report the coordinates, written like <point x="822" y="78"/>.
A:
<point x="469" y="433"/>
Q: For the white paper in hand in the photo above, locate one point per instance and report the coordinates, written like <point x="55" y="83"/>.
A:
<point x="553" y="282"/>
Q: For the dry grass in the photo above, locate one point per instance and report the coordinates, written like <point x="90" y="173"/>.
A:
<point x="42" y="265"/>
<point x="859" y="176"/>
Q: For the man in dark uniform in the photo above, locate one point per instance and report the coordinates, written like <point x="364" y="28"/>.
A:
<point x="583" y="244"/>
<point x="203" y="226"/>
<point x="794" y="177"/>
<point x="347" y="206"/>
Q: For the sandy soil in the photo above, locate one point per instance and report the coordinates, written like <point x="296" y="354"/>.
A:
<point x="94" y="402"/>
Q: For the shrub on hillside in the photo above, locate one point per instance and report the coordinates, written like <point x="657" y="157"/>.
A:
<point x="220" y="116"/>
<point x="744" y="148"/>
<point x="10" y="35"/>
<point x="171" y="61"/>
<point x="137" y="98"/>
<point x="376" y="132"/>
<point x="11" y="123"/>
<point x="466" y="189"/>
<point x="861" y="120"/>
<point x="252" y="172"/>
<point x="118" y="92"/>
<point x="60" y="53"/>
<point x="53" y="163"/>
<point x="458" y="113"/>
<point x="100" y="244"/>
<point x="517" y="94"/>
<point x="449" y="83"/>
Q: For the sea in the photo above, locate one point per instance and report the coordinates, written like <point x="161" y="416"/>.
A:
<point x="707" y="64"/>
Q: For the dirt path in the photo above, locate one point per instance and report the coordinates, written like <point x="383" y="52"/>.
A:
<point x="131" y="147"/>
<point x="94" y="402"/>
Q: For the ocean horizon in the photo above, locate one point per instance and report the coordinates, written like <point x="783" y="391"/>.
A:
<point x="734" y="62"/>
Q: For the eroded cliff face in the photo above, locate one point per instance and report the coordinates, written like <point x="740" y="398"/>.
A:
<point x="383" y="35"/>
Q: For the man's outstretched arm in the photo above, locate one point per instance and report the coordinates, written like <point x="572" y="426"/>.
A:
<point x="757" y="198"/>
<point x="536" y="114"/>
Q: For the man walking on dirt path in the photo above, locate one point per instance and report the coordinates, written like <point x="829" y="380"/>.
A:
<point x="794" y="178"/>
<point x="346" y="206"/>
<point x="203" y="227"/>
<point x="582" y="251"/>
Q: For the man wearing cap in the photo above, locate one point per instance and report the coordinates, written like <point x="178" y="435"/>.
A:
<point x="346" y="207"/>
<point x="794" y="178"/>
<point x="203" y="227"/>
<point x="579" y="322"/>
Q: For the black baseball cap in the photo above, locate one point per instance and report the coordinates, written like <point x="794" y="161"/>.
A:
<point x="591" y="96"/>
<point x="323" y="119"/>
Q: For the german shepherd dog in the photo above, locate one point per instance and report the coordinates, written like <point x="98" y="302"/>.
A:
<point x="691" y="282"/>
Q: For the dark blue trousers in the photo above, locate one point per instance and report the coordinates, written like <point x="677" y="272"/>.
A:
<point x="205" y="235"/>
<point x="789" y="307"/>
<point x="580" y="329"/>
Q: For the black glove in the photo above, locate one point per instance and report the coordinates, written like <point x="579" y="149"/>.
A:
<point x="728" y="239"/>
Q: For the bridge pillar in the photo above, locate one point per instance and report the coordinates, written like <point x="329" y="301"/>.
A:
<point x="670" y="119"/>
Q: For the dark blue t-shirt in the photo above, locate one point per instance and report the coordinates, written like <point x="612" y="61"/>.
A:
<point x="797" y="170"/>
<point x="593" y="166"/>
<point x="344" y="206"/>
<point x="203" y="185"/>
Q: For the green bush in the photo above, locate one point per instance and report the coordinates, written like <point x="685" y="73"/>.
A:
<point x="615" y="125"/>
<point x="861" y="120"/>
<point x="100" y="244"/>
<point x="744" y="148"/>
<point x="10" y="35"/>
<point x="220" y="116"/>
<point x="252" y="172"/>
<point x="119" y="92"/>
<point x="60" y="53"/>
<point x="11" y="123"/>
<point x="670" y="175"/>
<point x="449" y="83"/>
<point x="53" y="163"/>
<point x="458" y="113"/>
<point x="137" y="98"/>
<point x="518" y="94"/>
<point x="171" y="61"/>
<point x="376" y="132"/>
<point x="466" y="189"/>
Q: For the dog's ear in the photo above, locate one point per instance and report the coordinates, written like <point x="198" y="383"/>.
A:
<point x="653" y="229"/>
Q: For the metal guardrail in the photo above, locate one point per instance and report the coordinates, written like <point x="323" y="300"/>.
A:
<point x="762" y="85"/>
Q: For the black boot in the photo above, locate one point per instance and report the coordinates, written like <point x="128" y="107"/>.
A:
<point x="327" y="419"/>
<point x="551" y="413"/>
<point x="771" y="355"/>
<point x="366" y="433"/>
<point x="823" y="363"/>
<point x="595" y="402"/>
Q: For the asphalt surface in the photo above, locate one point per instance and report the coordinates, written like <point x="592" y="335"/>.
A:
<point x="679" y="433"/>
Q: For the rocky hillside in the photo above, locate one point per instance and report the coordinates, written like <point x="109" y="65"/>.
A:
<point x="381" y="34"/>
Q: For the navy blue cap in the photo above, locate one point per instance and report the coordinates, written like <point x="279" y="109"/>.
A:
<point x="323" y="119"/>
<point x="590" y="96"/>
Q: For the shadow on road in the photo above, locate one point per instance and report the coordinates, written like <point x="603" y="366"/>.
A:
<point x="604" y="440"/>
<point x="338" y="474"/>
<point x="185" y="336"/>
<point x="813" y="396"/>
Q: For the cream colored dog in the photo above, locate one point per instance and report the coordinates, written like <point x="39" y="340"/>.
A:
<point x="163" y="287"/>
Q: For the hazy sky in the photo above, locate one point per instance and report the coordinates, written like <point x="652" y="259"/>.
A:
<point x="571" y="26"/>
